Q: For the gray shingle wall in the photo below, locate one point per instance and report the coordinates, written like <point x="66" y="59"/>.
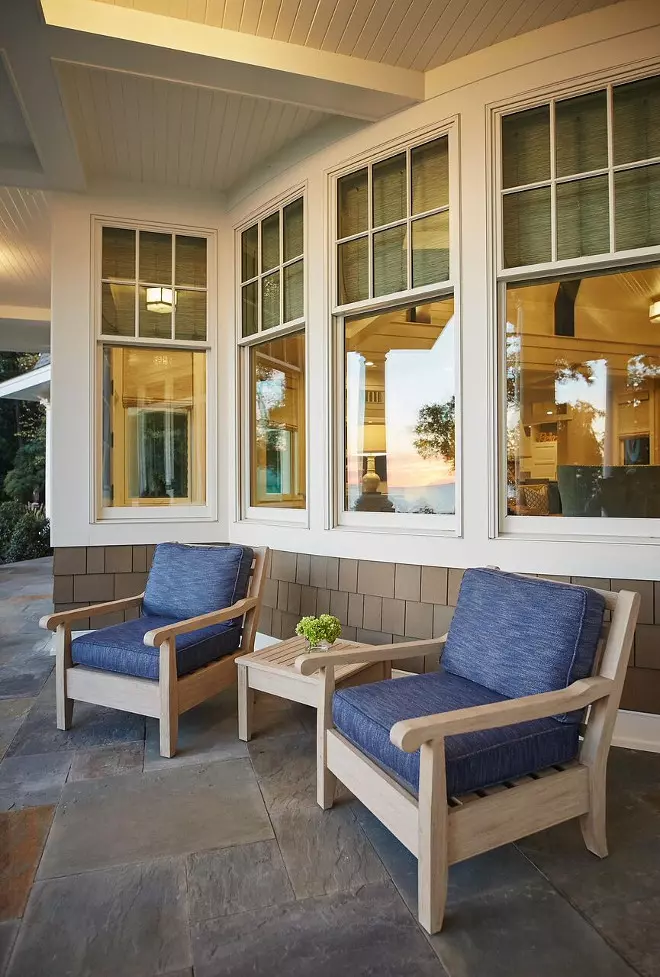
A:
<point x="376" y="602"/>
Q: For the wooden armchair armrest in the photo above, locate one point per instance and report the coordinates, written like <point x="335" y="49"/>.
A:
<point x="155" y="638"/>
<point x="409" y="734"/>
<point x="51" y="622"/>
<point x="310" y="663"/>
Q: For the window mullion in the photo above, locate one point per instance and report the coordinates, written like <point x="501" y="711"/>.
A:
<point x="370" y="248"/>
<point x="553" y="182"/>
<point x="136" y="330"/>
<point x="610" y="165"/>
<point x="409" y="280"/>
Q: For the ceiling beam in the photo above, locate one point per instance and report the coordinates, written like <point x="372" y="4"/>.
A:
<point x="31" y="72"/>
<point x="115" y="37"/>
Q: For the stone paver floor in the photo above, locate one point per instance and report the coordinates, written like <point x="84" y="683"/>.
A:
<point x="219" y="863"/>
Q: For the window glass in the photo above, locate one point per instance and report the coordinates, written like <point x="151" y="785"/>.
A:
<point x="118" y="253"/>
<point x="583" y="395"/>
<point x="190" y="263"/>
<point x="277" y="295"/>
<point x="190" y="314"/>
<point x="413" y="252"/>
<point x="277" y="422"/>
<point x="155" y="258"/>
<point x="156" y="312"/>
<point x="580" y="224"/>
<point x="400" y="410"/>
<point x="154" y="426"/>
<point x="117" y="309"/>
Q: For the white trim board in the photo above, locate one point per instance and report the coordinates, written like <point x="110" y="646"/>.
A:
<point x="637" y="731"/>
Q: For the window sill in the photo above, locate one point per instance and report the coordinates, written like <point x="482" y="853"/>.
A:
<point x="580" y="529"/>
<point x="160" y="513"/>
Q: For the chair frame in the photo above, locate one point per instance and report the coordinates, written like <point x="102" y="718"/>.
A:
<point x="170" y="695"/>
<point x="441" y="830"/>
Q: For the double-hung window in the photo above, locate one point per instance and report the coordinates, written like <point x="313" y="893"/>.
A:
<point x="579" y="296"/>
<point x="396" y="338"/>
<point x="153" y="338"/>
<point x="272" y="352"/>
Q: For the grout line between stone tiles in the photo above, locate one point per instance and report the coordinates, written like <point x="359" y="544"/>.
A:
<point x="564" y="895"/>
<point x="13" y="946"/>
<point x="272" y="826"/>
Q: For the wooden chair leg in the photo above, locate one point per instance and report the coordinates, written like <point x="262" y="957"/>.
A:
<point x="432" y="863"/>
<point x="593" y="823"/>
<point x="64" y="705"/>
<point x="326" y="782"/>
<point x="169" y="700"/>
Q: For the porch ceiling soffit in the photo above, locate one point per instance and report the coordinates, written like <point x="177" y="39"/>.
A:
<point x="113" y="37"/>
<point x="50" y="157"/>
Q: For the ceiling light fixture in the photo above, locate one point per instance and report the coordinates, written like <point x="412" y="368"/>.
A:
<point x="369" y="363"/>
<point x="159" y="299"/>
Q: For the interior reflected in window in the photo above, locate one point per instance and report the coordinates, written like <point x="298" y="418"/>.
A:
<point x="400" y="410"/>
<point x="277" y="376"/>
<point x="583" y="396"/>
<point x="154" y="426"/>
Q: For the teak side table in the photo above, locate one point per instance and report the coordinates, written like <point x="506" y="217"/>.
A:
<point x="272" y="670"/>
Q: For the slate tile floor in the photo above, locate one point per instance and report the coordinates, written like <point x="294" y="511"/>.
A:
<point x="219" y="863"/>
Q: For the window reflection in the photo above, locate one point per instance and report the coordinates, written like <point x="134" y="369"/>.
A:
<point x="583" y="396"/>
<point x="277" y="463"/>
<point x="400" y="410"/>
<point x="154" y="427"/>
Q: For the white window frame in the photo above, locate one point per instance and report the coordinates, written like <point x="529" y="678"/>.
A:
<point x="207" y="511"/>
<point x="576" y="528"/>
<point x="267" y="514"/>
<point x="394" y="522"/>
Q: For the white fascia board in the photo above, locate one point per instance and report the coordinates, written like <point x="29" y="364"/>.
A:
<point x="33" y="385"/>
<point x="24" y="312"/>
<point x="123" y="39"/>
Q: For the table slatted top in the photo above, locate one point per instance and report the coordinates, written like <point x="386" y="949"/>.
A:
<point x="281" y="657"/>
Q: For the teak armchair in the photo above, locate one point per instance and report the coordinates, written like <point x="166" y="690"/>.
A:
<point x="485" y="767"/>
<point x="182" y="648"/>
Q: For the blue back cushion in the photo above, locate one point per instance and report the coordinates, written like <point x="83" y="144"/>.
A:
<point x="520" y="636"/>
<point x="186" y="581"/>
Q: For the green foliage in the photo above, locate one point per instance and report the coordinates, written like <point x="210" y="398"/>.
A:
<point x="27" y="479"/>
<point x="318" y="629"/>
<point x="436" y="431"/>
<point x="22" y="423"/>
<point x="24" y="533"/>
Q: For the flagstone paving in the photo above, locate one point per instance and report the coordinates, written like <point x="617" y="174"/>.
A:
<point x="219" y="863"/>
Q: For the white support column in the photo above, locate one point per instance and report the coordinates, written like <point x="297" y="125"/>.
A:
<point x="49" y="451"/>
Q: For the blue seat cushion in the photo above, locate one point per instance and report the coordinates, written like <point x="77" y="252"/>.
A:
<point x="365" y="715"/>
<point x="520" y="636"/>
<point x="186" y="581"/>
<point x="121" y="648"/>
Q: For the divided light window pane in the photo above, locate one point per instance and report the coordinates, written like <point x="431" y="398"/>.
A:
<point x="389" y="190"/>
<point x="118" y="253"/>
<point x="270" y="242"/>
<point x="293" y="291"/>
<point x="353" y="266"/>
<point x="582" y="218"/>
<point x="581" y="134"/>
<point x="390" y="260"/>
<point x="154" y="325"/>
<point x="249" y="308"/>
<point x="430" y="249"/>
<point x="636" y="114"/>
<point x="526" y="147"/>
<point x="637" y="207"/>
<point x="526" y="227"/>
<point x="270" y="301"/>
<point x="155" y="258"/>
<point x="117" y="309"/>
<point x="430" y="176"/>
<point x="352" y="204"/>
<point x="249" y="253"/>
<point x="190" y="315"/>
<point x="190" y="261"/>
<point x="293" y="229"/>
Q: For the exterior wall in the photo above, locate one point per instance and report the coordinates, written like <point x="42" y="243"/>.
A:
<point x="320" y="565"/>
<point x="376" y="602"/>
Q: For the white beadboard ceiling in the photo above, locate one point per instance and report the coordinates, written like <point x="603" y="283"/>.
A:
<point x="419" y="34"/>
<point x="24" y="248"/>
<point x="147" y="130"/>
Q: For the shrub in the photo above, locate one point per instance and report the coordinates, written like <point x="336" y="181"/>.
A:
<point x="30" y="537"/>
<point x="11" y="514"/>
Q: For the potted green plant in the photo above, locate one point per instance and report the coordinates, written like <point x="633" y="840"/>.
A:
<point x="321" y="632"/>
